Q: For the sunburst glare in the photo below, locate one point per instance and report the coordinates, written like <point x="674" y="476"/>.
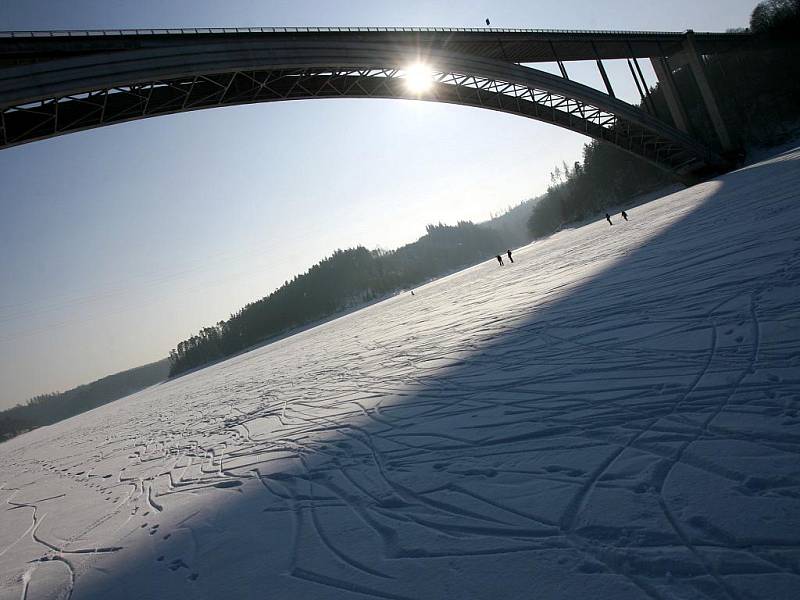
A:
<point x="419" y="78"/>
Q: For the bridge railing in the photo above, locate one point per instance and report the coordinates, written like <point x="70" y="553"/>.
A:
<point x="234" y="30"/>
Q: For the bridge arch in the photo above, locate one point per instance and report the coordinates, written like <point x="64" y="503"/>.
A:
<point x="54" y="97"/>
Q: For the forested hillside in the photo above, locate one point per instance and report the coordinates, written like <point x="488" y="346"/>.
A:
<point x="49" y="408"/>
<point x="345" y="279"/>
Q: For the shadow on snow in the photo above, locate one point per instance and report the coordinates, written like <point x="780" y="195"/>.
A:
<point x="630" y="437"/>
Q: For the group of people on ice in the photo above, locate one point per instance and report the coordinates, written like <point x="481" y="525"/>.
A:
<point x="623" y="214"/>
<point x="500" y="258"/>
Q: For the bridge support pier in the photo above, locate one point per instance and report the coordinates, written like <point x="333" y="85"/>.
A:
<point x="641" y="86"/>
<point x="676" y="109"/>
<point x="709" y="99"/>
<point x="603" y="73"/>
<point x="606" y="80"/>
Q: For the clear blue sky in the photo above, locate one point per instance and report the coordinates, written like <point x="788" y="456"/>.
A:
<point x="120" y="242"/>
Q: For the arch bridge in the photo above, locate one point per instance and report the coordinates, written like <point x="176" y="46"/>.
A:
<point x="58" y="82"/>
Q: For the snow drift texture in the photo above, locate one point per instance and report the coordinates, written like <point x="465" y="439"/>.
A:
<point x="612" y="416"/>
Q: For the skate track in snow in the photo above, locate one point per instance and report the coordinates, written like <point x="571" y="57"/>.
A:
<point x="615" y="415"/>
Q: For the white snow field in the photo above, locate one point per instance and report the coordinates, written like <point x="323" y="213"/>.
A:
<point x="614" y="416"/>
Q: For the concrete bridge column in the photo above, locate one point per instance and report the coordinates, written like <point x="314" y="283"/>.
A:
<point x="603" y="73"/>
<point x="667" y="84"/>
<point x="709" y="99"/>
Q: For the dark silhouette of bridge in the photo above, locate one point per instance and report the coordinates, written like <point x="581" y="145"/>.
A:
<point x="57" y="82"/>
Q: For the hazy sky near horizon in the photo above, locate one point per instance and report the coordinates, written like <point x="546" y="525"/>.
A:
<point x="117" y="243"/>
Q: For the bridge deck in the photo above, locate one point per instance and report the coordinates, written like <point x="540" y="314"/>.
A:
<point x="508" y="45"/>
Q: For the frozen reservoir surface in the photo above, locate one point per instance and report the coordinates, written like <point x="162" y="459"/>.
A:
<point x="613" y="416"/>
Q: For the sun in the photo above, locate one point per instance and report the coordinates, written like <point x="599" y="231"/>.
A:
<point x="419" y="78"/>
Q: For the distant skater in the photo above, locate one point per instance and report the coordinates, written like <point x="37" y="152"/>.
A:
<point x="509" y="255"/>
<point x="608" y="218"/>
<point x="624" y="215"/>
<point x="500" y="260"/>
<point x="412" y="292"/>
<point x="488" y="23"/>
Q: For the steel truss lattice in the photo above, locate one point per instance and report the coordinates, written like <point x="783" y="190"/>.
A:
<point x="75" y="112"/>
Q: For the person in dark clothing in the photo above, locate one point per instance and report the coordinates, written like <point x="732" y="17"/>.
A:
<point x="488" y="23"/>
<point x="624" y="215"/>
<point x="509" y="255"/>
<point x="608" y="218"/>
<point x="500" y="260"/>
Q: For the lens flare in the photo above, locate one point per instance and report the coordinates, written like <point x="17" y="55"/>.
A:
<point x="419" y="78"/>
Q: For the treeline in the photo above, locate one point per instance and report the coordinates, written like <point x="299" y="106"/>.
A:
<point x="345" y="279"/>
<point x="47" y="409"/>
<point x="757" y="87"/>
<point x="606" y="176"/>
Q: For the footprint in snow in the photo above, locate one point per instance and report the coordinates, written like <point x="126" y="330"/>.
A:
<point x="228" y="484"/>
<point x="177" y="564"/>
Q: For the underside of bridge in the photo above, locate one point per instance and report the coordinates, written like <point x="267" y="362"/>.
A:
<point x="53" y="83"/>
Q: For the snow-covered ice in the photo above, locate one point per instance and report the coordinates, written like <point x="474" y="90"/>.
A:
<point x="615" y="415"/>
